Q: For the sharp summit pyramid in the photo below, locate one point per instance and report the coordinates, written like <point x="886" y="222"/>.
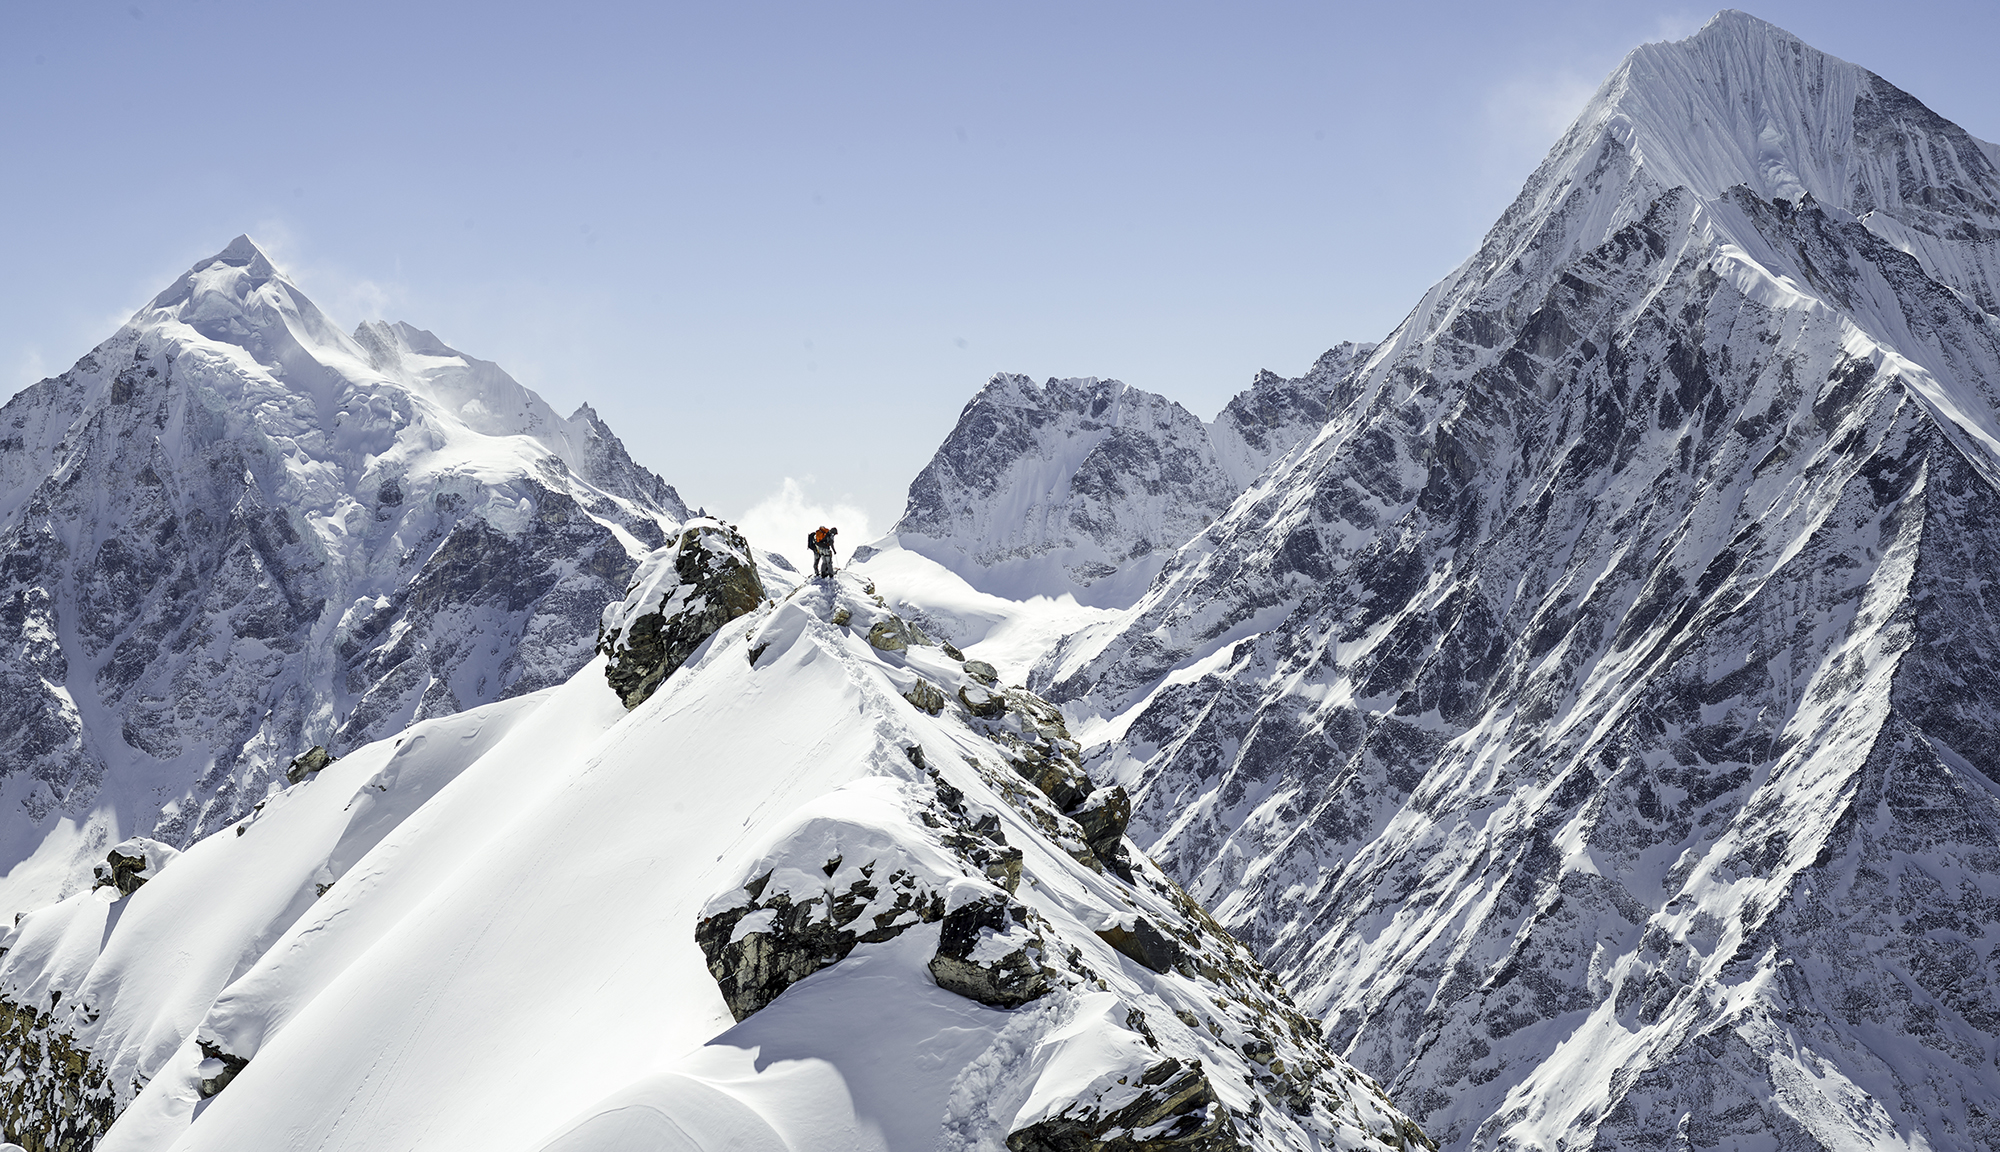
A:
<point x="1599" y="722"/>
<point x="232" y="532"/>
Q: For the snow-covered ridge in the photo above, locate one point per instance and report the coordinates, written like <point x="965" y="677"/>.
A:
<point x="233" y="531"/>
<point x="483" y="934"/>
<point x="1084" y="487"/>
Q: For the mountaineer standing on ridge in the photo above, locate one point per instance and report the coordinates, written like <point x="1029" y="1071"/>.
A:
<point x="820" y="540"/>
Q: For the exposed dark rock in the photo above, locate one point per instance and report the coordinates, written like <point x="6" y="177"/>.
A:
<point x="790" y="935"/>
<point x="987" y="952"/>
<point x="309" y="762"/>
<point x="983" y="672"/>
<point x="1144" y="943"/>
<point x="131" y="863"/>
<point x="1176" y="1111"/>
<point x="1103" y="816"/>
<point x="894" y="634"/>
<point x="54" y="1097"/>
<point x="981" y="703"/>
<point x="217" y="1068"/>
<point x="926" y="696"/>
<point x="680" y="596"/>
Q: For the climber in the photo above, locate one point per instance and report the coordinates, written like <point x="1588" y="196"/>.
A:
<point x="820" y="541"/>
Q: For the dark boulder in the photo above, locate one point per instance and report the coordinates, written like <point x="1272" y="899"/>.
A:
<point x="312" y="760"/>
<point x="217" y="1068"/>
<point x="680" y="596"/>
<point x="1103" y="816"/>
<point x="1177" y="1111"/>
<point x="981" y="703"/>
<point x="774" y="937"/>
<point x="132" y="863"/>
<point x="926" y="696"/>
<point x="987" y="952"/>
<point x="1143" y="943"/>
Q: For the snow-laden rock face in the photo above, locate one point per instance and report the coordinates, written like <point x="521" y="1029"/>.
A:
<point x="682" y="593"/>
<point x="1597" y="723"/>
<point x="1275" y="414"/>
<point x="231" y="532"/>
<point x="775" y="906"/>
<point x="1086" y="486"/>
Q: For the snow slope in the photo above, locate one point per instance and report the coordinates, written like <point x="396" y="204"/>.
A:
<point x="232" y="532"/>
<point x="1597" y="721"/>
<point x="482" y="934"/>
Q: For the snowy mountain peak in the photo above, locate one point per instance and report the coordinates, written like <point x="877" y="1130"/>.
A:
<point x="242" y="252"/>
<point x="235" y="295"/>
<point x="1084" y="486"/>
<point x="236" y="532"/>
<point x="1575" y="716"/>
<point x="1743" y="102"/>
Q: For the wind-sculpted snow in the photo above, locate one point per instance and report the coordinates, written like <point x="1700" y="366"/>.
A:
<point x="780" y="904"/>
<point x="1085" y="486"/>
<point x="231" y="532"/>
<point x="1598" y="723"/>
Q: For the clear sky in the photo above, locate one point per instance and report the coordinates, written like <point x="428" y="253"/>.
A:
<point x="779" y="245"/>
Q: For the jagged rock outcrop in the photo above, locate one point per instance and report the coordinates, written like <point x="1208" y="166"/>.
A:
<point x="989" y="951"/>
<point x="1277" y="414"/>
<point x="680" y="596"/>
<point x="1590" y="707"/>
<point x="927" y="697"/>
<point x="217" y="1068"/>
<point x="1136" y="938"/>
<point x="1171" y="1107"/>
<point x="53" y="1096"/>
<point x="132" y="863"/>
<point x="785" y="931"/>
<point x="310" y="762"/>
<point x="232" y="531"/>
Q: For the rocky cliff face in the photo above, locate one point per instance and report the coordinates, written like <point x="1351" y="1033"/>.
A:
<point x="1086" y="486"/>
<point x="231" y="532"/>
<point x="1597" y="724"/>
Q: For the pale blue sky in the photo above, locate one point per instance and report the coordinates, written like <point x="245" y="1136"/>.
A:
<point x="773" y="240"/>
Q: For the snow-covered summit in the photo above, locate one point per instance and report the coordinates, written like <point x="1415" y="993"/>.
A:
<point x="1595" y="721"/>
<point x="1743" y="104"/>
<point x="1084" y="487"/>
<point x="1743" y="101"/>
<point x="233" y="531"/>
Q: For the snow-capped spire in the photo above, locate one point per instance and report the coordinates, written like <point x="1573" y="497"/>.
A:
<point x="1744" y="102"/>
